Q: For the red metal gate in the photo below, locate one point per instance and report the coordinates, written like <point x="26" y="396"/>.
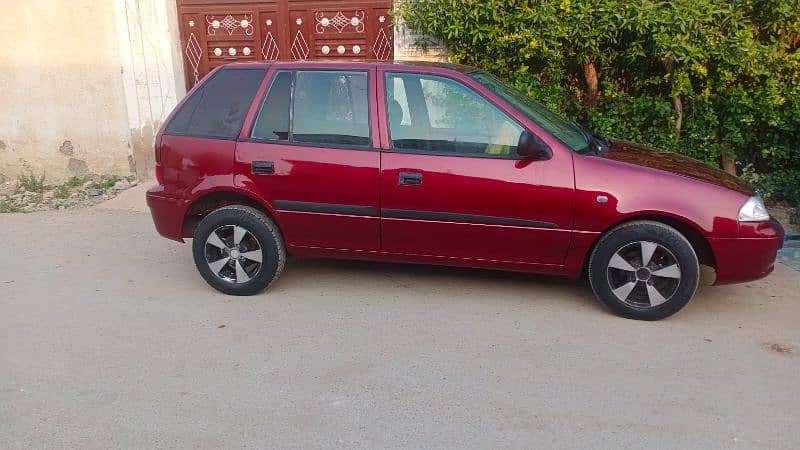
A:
<point x="215" y="32"/>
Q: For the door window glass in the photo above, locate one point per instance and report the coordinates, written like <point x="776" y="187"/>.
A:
<point x="437" y="114"/>
<point x="331" y="108"/>
<point x="217" y="109"/>
<point x="273" y="118"/>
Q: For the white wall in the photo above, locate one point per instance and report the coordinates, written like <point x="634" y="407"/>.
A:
<point x="83" y="83"/>
<point x="152" y="73"/>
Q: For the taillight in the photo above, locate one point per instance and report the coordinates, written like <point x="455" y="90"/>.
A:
<point x="159" y="167"/>
<point x="158" y="148"/>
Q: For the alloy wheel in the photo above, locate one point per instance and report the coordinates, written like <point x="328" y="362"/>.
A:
<point x="233" y="254"/>
<point x="643" y="274"/>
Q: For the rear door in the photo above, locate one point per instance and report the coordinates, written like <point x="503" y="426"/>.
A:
<point x="452" y="184"/>
<point x="310" y="154"/>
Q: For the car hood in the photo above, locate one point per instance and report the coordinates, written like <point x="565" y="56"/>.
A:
<point x="644" y="156"/>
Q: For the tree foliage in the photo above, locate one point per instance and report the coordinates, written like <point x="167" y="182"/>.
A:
<point x="716" y="80"/>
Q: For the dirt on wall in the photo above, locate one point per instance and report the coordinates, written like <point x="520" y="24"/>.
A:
<point x="142" y="157"/>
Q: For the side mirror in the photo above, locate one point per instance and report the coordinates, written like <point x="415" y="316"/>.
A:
<point x="530" y="146"/>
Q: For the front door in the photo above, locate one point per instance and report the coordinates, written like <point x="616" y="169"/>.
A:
<point x="453" y="186"/>
<point x="310" y="155"/>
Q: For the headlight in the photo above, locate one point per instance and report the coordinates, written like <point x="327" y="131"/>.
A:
<point x="753" y="210"/>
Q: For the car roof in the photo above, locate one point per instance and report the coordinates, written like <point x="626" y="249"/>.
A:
<point x="345" y="64"/>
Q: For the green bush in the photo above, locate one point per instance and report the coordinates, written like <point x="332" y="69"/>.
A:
<point x="61" y="191"/>
<point x="75" y="181"/>
<point x="8" y="207"/>
<point x="794" y="216"/>
<point x="716" y="80"/>
<point x="31" y="182"/>
<point x="105" y="182"/>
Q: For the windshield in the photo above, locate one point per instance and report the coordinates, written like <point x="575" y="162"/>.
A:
<point x="569" y="134"/>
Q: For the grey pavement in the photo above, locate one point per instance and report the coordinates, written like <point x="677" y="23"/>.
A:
<point x="110" y="339"/>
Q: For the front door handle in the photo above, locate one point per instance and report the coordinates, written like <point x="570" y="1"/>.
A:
<point x="409" y="179"/>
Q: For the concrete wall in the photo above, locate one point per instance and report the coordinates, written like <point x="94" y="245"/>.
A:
<point x="410" y="46"/>
<point x="82" y="84"/>
<point x="152" y="72"/>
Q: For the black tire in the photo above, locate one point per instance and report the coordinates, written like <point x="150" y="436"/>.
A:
<point x="643" y="301"/>
<point x="263" y="235"/>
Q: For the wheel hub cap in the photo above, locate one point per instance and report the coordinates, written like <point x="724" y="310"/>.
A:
<point x="234" y="254"/>
<point x="643" y="274"/>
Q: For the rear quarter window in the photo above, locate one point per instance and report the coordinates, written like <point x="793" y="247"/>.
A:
<point x="218" y="108"/>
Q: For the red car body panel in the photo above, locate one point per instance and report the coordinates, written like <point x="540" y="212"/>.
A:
<point x="634" y="190"/>
<point x="317" y="175"/>
<point x="168" y="213"/>
<point x="491" y="188"/>
<point x="511" y="214"/>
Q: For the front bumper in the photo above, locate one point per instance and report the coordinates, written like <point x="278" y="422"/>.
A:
<point x="750" y="256"/>
<point x="167" y="212"/>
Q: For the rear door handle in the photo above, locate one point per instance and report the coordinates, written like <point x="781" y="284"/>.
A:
<point x="409" y="179"/>
<point x="262" y="167"/>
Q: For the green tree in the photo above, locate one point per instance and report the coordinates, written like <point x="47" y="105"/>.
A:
<point x="716" y="80"/>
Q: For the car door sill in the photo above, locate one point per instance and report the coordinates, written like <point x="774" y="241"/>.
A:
<point x="390" y="256"/>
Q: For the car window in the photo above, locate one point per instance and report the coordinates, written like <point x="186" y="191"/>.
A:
<point x="565" y="131"/>
<point x="273" y="117"/>
<point x="331" y="108"/>
<point x="441" y="115"/>
<point x="218" y="108"/>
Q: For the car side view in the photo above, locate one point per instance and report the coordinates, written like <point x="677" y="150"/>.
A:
<point x="440" y="164"/>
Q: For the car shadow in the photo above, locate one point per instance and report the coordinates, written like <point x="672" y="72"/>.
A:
<point x="435" y="278"/>
<point x="431" y="280"/>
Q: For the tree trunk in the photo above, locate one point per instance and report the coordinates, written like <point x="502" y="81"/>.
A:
<point x="727" y="161"/>
<point x="592" y="89"/>
<point x="676" y="101"/>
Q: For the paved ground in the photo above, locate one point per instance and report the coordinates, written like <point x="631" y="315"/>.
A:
<point x="109" y="338"/>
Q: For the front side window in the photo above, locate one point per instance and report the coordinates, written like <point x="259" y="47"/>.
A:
<point x="331" y="108"/>
<point x="441" y="115"/>
<point x="217" y="109"/>
<point x="566" y="132"/>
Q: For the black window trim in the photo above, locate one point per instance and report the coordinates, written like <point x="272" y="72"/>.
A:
<point x="290" y="141"/>
<point x="392" y="148"/>
<point x="365" y="148"/>
<point x="200" y="89"/>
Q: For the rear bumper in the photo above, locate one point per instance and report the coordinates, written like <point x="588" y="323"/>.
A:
<point x="747" y="258"/>
<point x="167" y="212"/>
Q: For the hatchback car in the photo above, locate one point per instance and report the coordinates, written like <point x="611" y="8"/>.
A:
<point x="439" y="164"/>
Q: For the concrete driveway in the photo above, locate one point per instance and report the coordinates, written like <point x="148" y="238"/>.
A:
<point x="109" y="338"/>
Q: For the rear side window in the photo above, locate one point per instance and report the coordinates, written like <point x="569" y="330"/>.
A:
<point x="218" y="108"/>
<point x="331" y="108"/>
<point x="273" y="118"/>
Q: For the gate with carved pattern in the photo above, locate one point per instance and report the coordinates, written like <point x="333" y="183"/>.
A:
<point x="215" y="32"/>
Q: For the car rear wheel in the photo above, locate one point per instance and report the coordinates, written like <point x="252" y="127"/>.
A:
<point x="644" y="270"/>
<point x="238" y="250"/>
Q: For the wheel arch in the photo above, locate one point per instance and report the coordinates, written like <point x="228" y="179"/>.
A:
<point x="700" y="244"/>
<point x="210" y="201"/>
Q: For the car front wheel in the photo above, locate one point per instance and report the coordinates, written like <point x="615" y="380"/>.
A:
<point x="238" y="250"/>
<point x="644" y="270"/>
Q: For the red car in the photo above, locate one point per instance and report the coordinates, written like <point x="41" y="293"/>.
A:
<point x="440" y="164"/>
